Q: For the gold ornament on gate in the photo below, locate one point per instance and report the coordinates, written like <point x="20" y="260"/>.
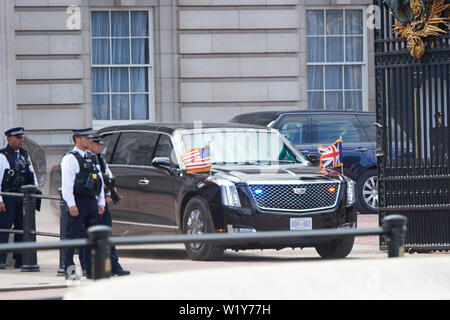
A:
<point x="420" y="20"/>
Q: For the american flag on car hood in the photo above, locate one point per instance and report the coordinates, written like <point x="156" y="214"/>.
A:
<point x="331" y="157"/>
<point x="197" y="159"/>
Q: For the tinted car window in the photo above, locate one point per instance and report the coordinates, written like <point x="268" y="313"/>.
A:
<point x="109" y="141"/>
<point x="164" y="147"/>
<point x="135" y="148"/>
<point x="367" y="122"/>
<point x="329" y="128"/>
<point x="295" y="129"/>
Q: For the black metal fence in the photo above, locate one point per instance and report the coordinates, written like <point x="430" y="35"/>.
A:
<point x="100" y="239"/>
<point x="413" y="160"/>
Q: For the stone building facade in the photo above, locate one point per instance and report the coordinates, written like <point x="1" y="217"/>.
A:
<point x="83" y="63"/>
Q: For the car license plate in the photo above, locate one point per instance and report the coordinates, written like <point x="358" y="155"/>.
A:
<point x="301" y="223"/>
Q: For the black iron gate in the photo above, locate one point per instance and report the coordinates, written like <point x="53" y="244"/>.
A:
<point x="413" y="160"/>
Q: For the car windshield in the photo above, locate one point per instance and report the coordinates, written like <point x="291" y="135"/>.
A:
<point x="237" y="146"/>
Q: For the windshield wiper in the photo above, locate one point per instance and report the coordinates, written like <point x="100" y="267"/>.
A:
<point x="253" y="162"/>
<point x="277" y="161"/>
<point x="236" y="163"/>
<point x="247" y="162"/>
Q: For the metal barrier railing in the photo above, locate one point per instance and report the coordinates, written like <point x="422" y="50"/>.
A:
<point x="30" y="196"/>
<point x="100" y="239"/>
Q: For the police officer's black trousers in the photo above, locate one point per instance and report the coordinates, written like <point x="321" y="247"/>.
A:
<point x="76" y="227"/>
<point x="104" y="219"/>
<point x="13" y="214"/>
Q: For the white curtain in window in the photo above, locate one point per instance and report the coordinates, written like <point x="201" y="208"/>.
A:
<point x="353" y="77"/>
<point x="139" y="46"/>
<point x="120" y="107"/>
<point x="100" y="107"/>
<point x="315" y="32"/>
<point x="315" y="77"/>
<point x="315" y="100"/>
<point x="315" y="82"/>
<point x="139" y="110"/>
<point x="139" y="79"/>
<point x="100" y="24"/>
<point x="120" y="24"/>
<point x="100" y="28"/>
<point x="119" y="80"/>
<point x="334" y="38"/>
<point x="354" y="49"/>
<point x="333" y="77"/>
<point x="100" y="80"/>
<point x="139" y="23"/>
<point x="119" y="40"/>
<point x="139" y="103"/>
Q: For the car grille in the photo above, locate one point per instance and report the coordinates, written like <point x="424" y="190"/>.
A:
<point x="282" y="196"/>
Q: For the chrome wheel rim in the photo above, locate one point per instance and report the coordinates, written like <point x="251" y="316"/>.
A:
<point x="195" y="225"/>
<point x="370" y="192"/>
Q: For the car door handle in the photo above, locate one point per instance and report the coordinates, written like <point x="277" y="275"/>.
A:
<point x="362" y="149"/>
<point x="143" y="182"/>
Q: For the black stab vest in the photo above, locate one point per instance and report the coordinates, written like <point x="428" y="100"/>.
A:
<point x="87" y="181"/>
<point x="19" y="173"/>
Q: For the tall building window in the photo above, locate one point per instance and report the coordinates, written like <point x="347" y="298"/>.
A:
<point x="336" y="59"/>
<point x="121" y="65"/>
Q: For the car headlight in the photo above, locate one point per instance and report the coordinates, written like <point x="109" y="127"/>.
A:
<point x="229" y="194"/>
<point x="351" y="199"/>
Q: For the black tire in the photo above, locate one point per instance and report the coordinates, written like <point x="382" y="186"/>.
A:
<point x="336" y="249"/>
<point x="197" y="220"/>
<point x="366" y="203"/>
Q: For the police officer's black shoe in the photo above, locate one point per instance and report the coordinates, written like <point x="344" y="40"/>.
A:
<point x="120" y="272"/>
<point x="2" y="266"/>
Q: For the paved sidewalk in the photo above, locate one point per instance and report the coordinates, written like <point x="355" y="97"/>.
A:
<point x="11" y="279"/>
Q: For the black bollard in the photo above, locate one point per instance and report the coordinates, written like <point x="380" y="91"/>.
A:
<point x="396" y="225"/>
<point x="29" y="258"/>
<point x="62" y="233"/>
<point x="101" y="262"/>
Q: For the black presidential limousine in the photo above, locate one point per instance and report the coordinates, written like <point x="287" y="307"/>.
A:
<point x="258" y="181"/>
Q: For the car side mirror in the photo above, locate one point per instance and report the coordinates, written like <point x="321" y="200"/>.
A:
<point x="165" y="163"/>
<point x="161" y="162"/>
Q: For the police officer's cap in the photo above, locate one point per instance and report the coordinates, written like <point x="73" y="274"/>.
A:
<point x="15" y="132"/>
<point x="82" y="132"/>
<point x="96" y="138"/>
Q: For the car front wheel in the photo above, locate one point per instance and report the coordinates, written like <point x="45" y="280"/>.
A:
<point x="367" y="192"/>
<point x="336" y="249"/>
<point x="197" y="220"/>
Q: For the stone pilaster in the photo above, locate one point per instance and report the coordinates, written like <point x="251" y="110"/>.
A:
<point x="8" y="108"/>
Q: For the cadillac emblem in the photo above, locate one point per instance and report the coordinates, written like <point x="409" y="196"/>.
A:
<point x="299" y="190"/>
<point x="418" y="19"/>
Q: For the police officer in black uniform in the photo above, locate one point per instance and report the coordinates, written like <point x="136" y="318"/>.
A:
<point x="16" y="170"/>
<point x="82" y="190"/>
<point x="439" y="137"/>
<point x="110" y="196"/>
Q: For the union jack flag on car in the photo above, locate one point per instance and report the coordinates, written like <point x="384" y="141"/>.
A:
<point x="197" y="159"/>
<point x="331" y="156"/>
